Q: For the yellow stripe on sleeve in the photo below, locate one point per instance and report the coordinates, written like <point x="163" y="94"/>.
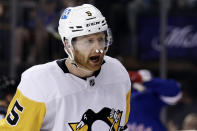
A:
<point x="23" y="114"/>
<point x="127" y="106"/>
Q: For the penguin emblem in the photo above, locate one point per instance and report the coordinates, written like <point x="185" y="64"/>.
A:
<point x="110" y="117"/>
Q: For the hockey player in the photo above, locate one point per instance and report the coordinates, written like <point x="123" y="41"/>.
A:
<point x="149" y="96"/>
<point x="88" y="91"/>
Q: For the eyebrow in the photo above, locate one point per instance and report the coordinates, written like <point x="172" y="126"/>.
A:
<point x="89" y="36"/>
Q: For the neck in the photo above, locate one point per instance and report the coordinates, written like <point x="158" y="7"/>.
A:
<point x="77" y="70"/>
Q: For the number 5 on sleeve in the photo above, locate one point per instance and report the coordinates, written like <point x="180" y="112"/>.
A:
<point x="13" y="116"/>
<point x="23" y="114"/>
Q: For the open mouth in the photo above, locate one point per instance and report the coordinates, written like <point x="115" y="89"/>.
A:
<point x="94" y="59"/>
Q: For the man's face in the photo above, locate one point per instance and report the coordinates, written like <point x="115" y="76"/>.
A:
<point x="85" y="51"/>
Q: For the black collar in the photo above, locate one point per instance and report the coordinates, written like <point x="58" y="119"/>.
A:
<point x="62" y="65"/>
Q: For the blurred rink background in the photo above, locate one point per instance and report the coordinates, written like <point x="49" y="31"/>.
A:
<point x="158" y="35"/>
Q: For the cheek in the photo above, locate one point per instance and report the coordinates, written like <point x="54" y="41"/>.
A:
<point x="82" y="49"/>
<point x="81" y="56"/>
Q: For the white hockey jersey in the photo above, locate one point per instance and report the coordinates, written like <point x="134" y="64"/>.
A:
<point x="49" y="98"/>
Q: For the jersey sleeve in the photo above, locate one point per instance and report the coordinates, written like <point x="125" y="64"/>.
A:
<point x="23" y="114"/>
<point x="127" y="106"/>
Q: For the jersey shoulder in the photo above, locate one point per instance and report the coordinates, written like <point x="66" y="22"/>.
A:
<point x="114" y="65"/>
<point x="36" y="81"/>
<point x="114" y="69"/>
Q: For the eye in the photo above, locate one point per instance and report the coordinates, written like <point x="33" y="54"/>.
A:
<point x="90" y="41"/>
<point x="101" y="39"/>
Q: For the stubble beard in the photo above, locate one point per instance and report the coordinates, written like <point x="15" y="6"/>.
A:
<point x="84" y="62"/>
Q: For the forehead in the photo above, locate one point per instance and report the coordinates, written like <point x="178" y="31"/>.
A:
<point x="96" y="35"/>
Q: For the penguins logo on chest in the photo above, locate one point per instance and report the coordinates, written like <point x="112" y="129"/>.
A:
<point x="110" y="117"/>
